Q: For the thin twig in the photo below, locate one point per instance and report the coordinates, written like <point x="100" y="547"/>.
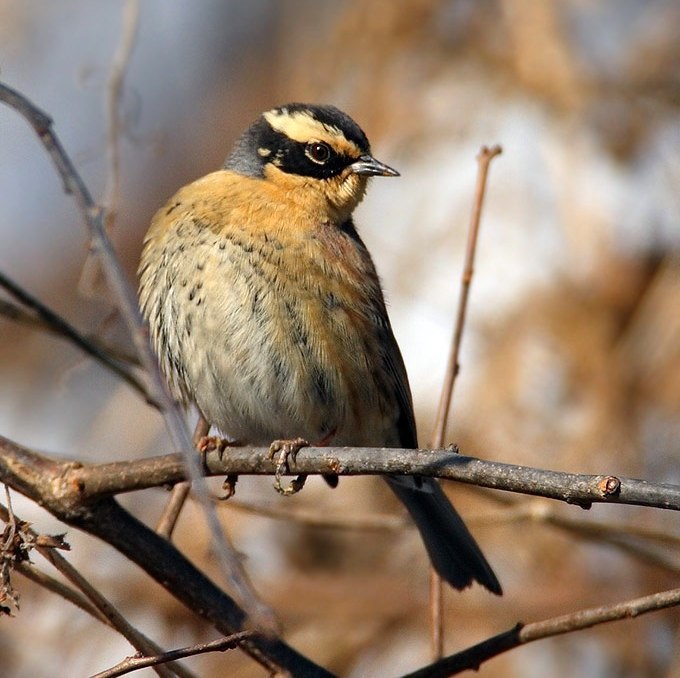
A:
<point x="55" y="586"/>
<point x="180" y="492"/>
<point x="114" y="90"/>
<point x="20" y="316"/>
<point x="137" y="639"/>
<point x="473" y="657"/>
<point x="634" y="540"/>
<point x="227" y="557"/>
<point x="63" y="328"/>
<point x="135" y="663"/>
<point x="91" y="276"/>
<point x="484" y="158"/>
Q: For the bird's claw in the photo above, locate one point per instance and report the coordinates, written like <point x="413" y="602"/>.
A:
<point x="229" y="486"/>
<point x="215" y="444"/>
<point x="287" y="449"/>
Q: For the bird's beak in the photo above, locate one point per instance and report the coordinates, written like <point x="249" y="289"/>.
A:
<point x="369" y="166"/>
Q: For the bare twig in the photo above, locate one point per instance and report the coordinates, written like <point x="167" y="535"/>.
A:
<point x="100" y="244"/>
<point x="137" y="639"/>
<point x="135" y="663"/>
<point x="55" y="586"/>
<point x="180" y="492"/>
<point x="114" y="92"/>
<point x="15" y="313"/>
<point x="91" y="277"/>
<point x="634" y="540"/>
<point x="19" y="315"/>
<point x="484" y="158"/>
<point x="473" y="657"/>
<point x="62" y="328"/>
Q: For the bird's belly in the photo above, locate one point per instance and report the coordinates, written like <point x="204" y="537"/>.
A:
<point x="257" y="369"/>
<point x="263" y="350"/>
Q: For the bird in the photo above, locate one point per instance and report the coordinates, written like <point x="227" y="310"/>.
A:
<point x="266" y="311"/>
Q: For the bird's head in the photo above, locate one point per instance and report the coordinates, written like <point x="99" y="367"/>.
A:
<point x="317" y="153"/>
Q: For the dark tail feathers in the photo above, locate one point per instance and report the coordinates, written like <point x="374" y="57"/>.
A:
<point x="453" y="551"/>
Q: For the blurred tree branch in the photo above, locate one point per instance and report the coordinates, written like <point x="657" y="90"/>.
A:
<point x="46" y="318"/>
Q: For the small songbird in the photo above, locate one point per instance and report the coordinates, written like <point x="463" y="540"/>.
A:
<point x="266" y="311"/>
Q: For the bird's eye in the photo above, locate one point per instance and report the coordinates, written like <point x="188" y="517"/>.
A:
<point x="318" y="152"/>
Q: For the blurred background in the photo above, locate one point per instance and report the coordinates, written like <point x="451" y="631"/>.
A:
<point x="571" y="357"/>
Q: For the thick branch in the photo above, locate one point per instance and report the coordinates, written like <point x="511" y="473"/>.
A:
<point x="87" y="482"/>
<point x="165" y="564"/>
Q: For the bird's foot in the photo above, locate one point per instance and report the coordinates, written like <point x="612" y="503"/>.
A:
<point x="214" y="443"/>
<point x="229" y="486"/>
<point x="287" y="449"/>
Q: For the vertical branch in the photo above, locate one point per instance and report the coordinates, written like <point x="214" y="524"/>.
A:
<point x="91" y="279"/>
<point x="113" y="99"/>
<point x="484" y="158"/>
<point x="180" y="492"/>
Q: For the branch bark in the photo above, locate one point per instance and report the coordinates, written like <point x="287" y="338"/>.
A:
<point x="75" y="483"/>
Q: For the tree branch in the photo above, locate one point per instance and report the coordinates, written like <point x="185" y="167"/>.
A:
<point x="78" y="483"/>
<point x="484" y="158"/>
<point x="62" y="328"/>
<point x="135" y="663"/>
<point x="95" y="603"/>
<point x="472" y="657"/>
